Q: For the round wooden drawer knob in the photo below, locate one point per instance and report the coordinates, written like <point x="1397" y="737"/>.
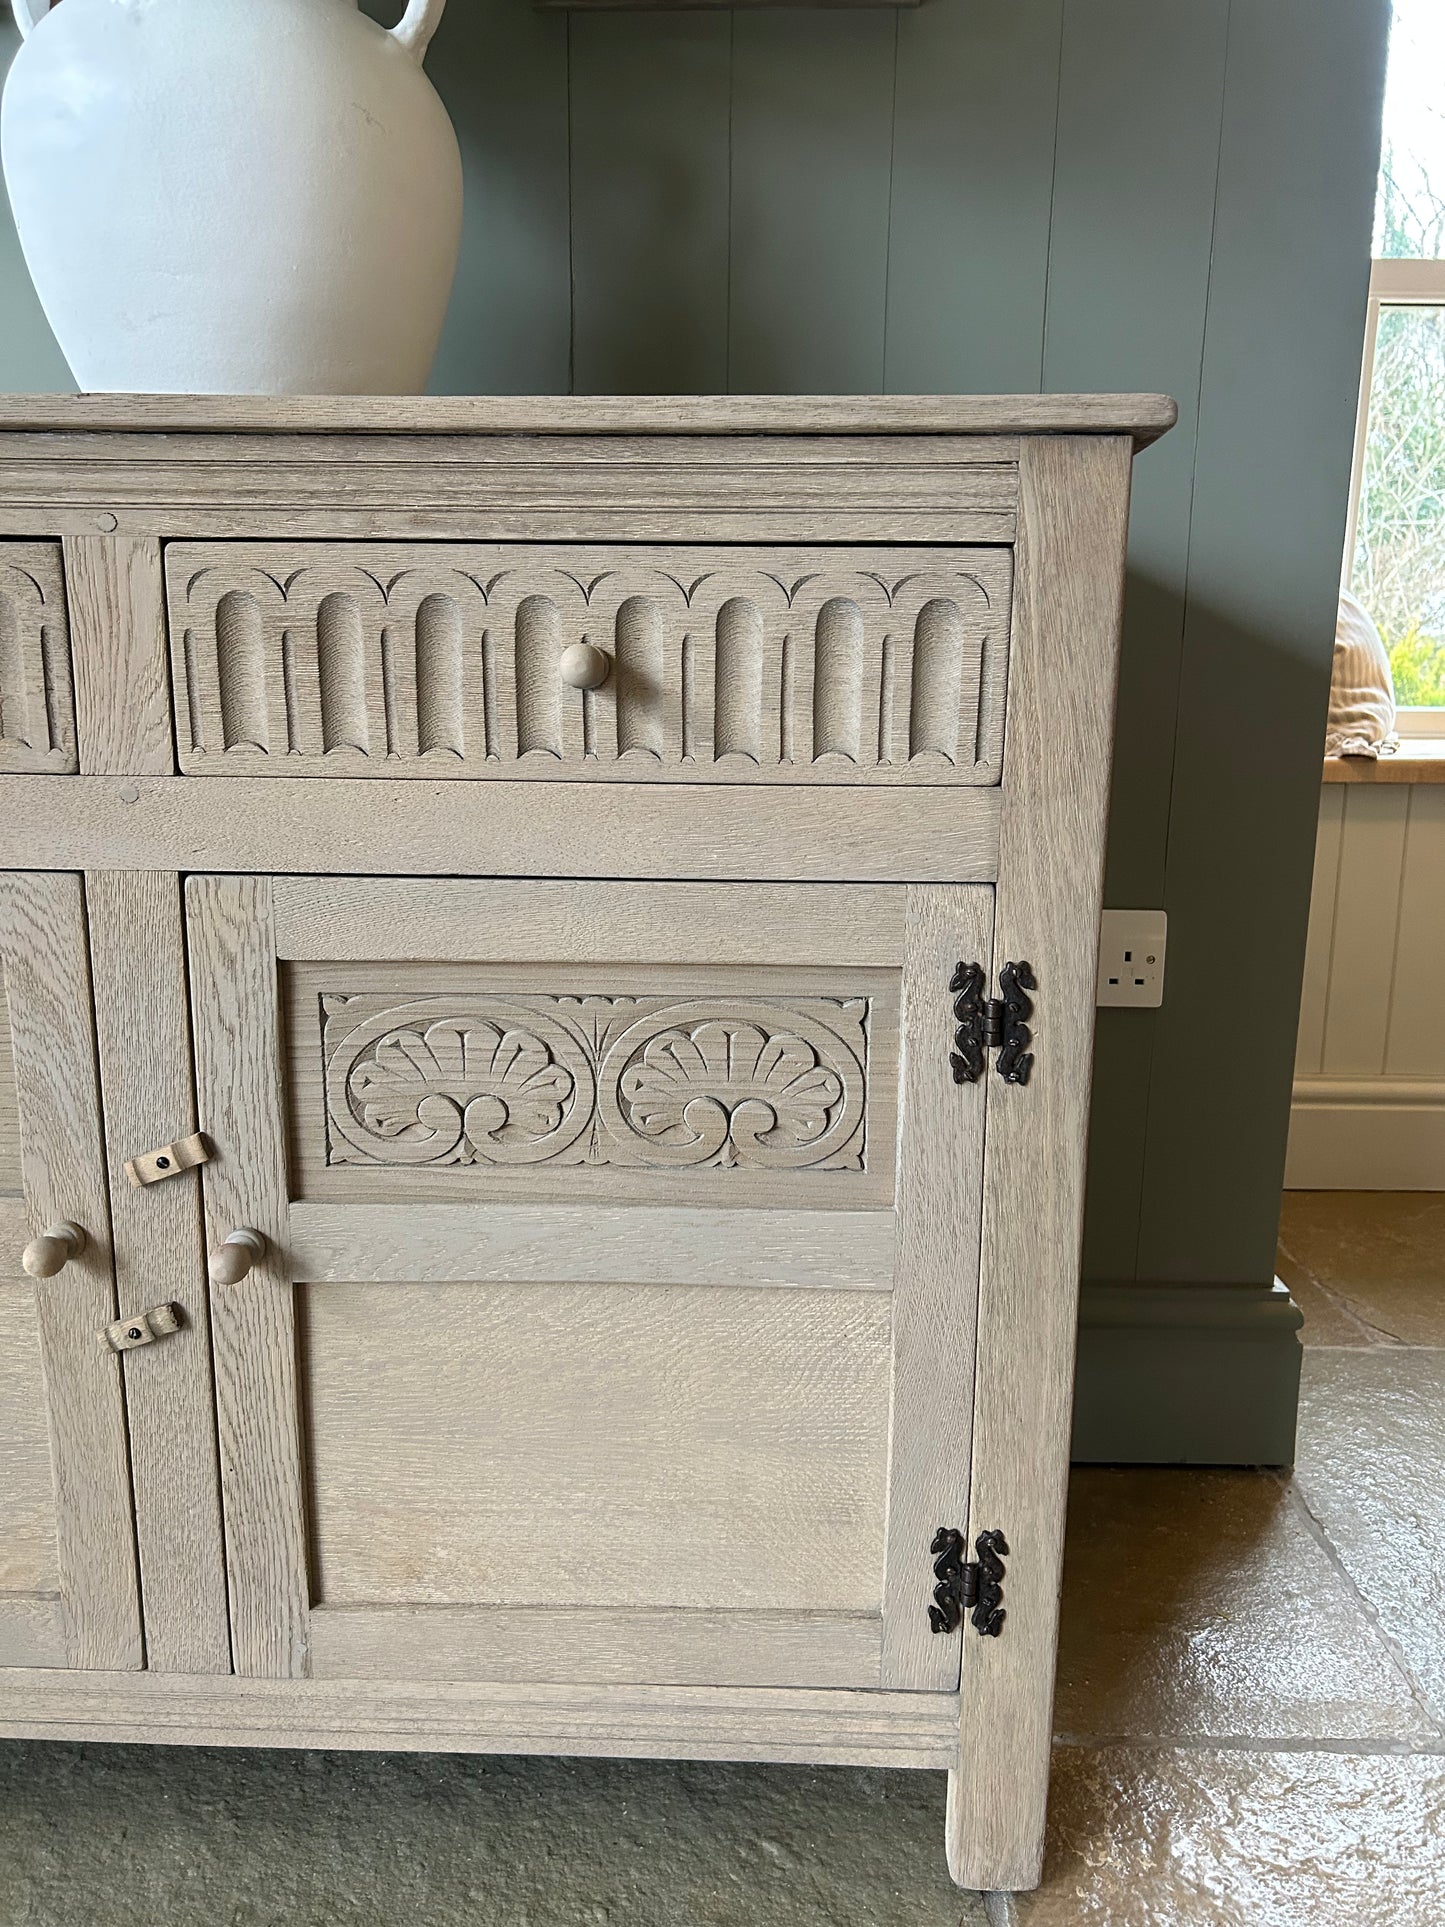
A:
<point x="55" y="1247"/>
<point x="584" y="666"/>
<point x="229" y="1263"/>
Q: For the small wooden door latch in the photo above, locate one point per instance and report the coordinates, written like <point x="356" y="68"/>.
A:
<point x="184" y="1155"/>
<point x="144" y="1329"/>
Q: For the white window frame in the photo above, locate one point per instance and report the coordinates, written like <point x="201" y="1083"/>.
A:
<point x="1393" y="284"/>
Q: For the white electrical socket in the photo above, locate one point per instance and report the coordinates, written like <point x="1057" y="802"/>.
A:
<point x="1131" y="958"/>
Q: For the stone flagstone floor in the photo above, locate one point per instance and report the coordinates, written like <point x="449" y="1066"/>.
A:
<point x="1251" y="1699"/>
<point x="1251" y="1721"/>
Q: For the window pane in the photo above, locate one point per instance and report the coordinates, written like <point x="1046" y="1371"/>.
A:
<point x="1410" y="211"/>
<point x="1399" y="566"/>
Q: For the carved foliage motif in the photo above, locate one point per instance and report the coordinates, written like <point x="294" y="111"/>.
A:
<point x="647" y="1082"/>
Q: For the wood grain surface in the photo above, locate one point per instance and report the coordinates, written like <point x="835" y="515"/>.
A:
<point x="940" y="1175"/>
<point x="10" y="1182"/>
<point x="118" y="643"/>
<point x="688" y="1646"/>
<point x="540" y="1452"/>
<point x="537" y="921"/>
<point x="238" y="1082"/>
<point x="32" y="1630"/>
<point x="594" y="1243"/>
<point x="605" y="1445"/>
<point x="589" y="1029"/>
<point x="459" y="1716"/>
<point x="858" y="664"/>
<point x="143" y="1032"/>
<point x="28" y="1559"/>
<point x="37" y="709"/>
<point x="1141" y="416"/>
<point x="1056" y="787"/>
<point x="47" y="983"/>
<point x="278" y="825"/>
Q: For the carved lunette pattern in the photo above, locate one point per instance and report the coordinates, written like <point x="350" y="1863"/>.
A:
<point x="646" y="1082"/>
<point x="37" y="715"/>
<point x="441" y="659"/>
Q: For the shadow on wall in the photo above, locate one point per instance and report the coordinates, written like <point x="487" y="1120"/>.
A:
<point x="1190" y="1113"/>
<point x="30" y="362"/>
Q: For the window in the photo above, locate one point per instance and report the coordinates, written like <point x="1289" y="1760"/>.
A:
<point x="1396" y="547"/>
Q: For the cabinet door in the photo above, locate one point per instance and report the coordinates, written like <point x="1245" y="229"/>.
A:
<point x="614" y="1318"/>
<point x="68" y="1594"/>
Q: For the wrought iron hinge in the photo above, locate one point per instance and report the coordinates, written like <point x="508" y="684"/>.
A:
<point x="974" y="1587"/>
<point x="994" y="1023"/>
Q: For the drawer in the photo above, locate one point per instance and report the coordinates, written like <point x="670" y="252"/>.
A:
<point x="37" y="709"/>
<point x="725" y="663"/>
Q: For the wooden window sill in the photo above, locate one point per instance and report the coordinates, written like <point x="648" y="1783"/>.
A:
<point x="1420" y="759"/>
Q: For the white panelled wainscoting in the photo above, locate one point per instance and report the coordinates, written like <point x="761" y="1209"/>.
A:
<point x="1369" y="1092"/>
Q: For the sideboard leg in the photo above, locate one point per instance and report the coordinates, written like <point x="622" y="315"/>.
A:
<point x="970" y="1864"/>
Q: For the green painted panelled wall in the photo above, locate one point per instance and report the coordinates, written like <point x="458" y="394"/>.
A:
<point x="1001" y="194"/>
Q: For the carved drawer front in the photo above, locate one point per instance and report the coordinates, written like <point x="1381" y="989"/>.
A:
<point x="833" y="665"/>
<point x="618" y="1260"/>
<point x="37" y="711"/>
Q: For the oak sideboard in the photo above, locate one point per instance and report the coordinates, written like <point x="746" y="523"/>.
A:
<point x="549" y="960"/>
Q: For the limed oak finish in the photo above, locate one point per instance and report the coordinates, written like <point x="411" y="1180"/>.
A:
<point x="548" y="956"/>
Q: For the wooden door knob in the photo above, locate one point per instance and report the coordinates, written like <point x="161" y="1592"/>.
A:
<point x="584" y="666"/>
<point x="55" y="1247"/>
<point x="229" y="1263"/>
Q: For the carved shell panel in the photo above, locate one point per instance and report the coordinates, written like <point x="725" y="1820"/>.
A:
<point x="641" y="1083"/>
<point x="726" y="664"/>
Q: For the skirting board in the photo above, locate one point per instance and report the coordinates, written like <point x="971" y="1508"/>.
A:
<point x="1367" y="1134"/>
<point x="1186" y="1375"/>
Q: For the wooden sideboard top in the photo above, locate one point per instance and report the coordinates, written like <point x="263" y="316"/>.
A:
<point x="1144" y="417"/>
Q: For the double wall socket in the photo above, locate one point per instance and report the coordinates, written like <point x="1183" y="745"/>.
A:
<point x="1131" y="958"/>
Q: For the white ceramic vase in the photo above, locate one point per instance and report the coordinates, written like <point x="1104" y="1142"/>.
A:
<point x="234" y="196"/>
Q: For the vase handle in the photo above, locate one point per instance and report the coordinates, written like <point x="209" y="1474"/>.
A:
<point x="414" y="30"/>
<point x="27" y="12"/>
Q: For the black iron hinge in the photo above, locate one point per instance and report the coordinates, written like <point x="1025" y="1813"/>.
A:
<point x="974" y="1587"/>
<point x="994" y="1023"/>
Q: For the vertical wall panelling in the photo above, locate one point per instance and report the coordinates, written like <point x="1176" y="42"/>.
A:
<point x="1139" y="80"/>
<point x="502" y="71"/>
<point x="973" y="175"/>
<point x="1281" y="363"/>
<point x="650" y="202"/>
<point x="1369" y="1088"/>
<point x="812" y="133"/>
<point x="1362" y="950"/>
<point x="1416" y="1043"/>
<point x="1309" y="1051"/>
<point x="1136" y="80"/>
